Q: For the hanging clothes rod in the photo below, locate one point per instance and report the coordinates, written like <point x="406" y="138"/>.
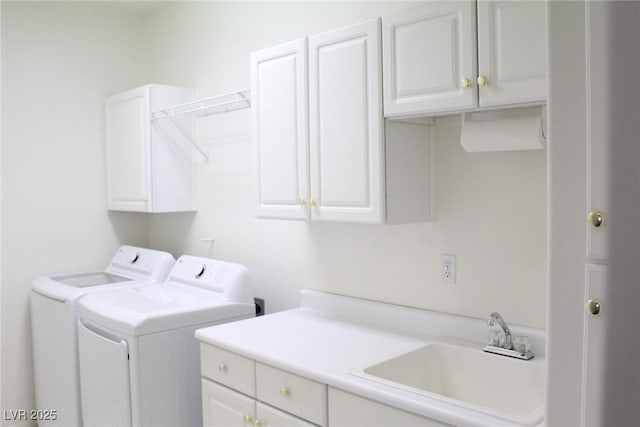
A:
<point x="208" y="106"/>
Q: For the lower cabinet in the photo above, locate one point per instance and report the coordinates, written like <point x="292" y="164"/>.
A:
<point x="238" y="391"/>
<point x="346" y="409"/>
<point x="223" y="407"/>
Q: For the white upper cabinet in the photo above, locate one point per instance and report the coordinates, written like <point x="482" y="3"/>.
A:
<point x="433" y="62"/>
<point x="346" y="125"/>
<point x="512" y="52"/>
<point x="149" y="163"/>
<point x="430" y="58"/>
<point x="322" y="149"/>
<point x="280" y="130"/>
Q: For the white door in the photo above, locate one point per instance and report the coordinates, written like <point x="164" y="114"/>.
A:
<point x="127" y="146"/>
<point x="598" y="176"/>
<point x="595" y="330"/>
<point x="512" y="52"/>
<point x="430" y="58"/>
<point x="280" y="132"/>
<point x="223" y="407"/>
<point x="598" y="217"/>
<point x="346" y="126"/>
<point x="104" y="379"/>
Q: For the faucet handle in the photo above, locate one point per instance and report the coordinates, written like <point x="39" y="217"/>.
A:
<point x="496" y="338"/>
<point x="521" y="343"/>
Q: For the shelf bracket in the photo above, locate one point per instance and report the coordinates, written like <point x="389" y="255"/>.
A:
<point x="185" y="136"/>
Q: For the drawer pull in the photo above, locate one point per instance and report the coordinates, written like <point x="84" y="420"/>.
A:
<point x="222" y="368"/>
<point x="284" y="391"/>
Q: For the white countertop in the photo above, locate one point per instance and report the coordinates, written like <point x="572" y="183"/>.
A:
<point x="323" y="346"/>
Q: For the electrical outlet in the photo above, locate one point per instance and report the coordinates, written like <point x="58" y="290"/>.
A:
<point x="447" y="269"/>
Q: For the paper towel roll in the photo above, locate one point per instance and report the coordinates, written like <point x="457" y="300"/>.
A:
<point x="516" y="129"/>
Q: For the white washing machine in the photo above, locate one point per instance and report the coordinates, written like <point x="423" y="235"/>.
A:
<point x="139" y="359"/>
<point x="54" y="320"/>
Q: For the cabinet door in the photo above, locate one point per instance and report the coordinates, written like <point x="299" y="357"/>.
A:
<point x="127" y="145"/>
<point x="346" y="127"/>
<point x="223" y="407"/>
<point x="430" y="59"/>
<point x="280" y="132"/>
<point x="346" y="409"/>
<point x="270" y="417"/>
<point x="512" y="53"/>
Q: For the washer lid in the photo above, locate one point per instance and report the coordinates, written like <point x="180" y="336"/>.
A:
<point x="144" y="309"/>
<point x="128" y="263"/>
<point x="92" y="278"/>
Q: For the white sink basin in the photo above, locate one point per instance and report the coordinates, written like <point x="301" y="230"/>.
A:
<point x="459" y="372"/>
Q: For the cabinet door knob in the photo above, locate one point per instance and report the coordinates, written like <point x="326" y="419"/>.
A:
<point x="312" y="202"/>
<point x="257" y="423"/>
<point x="482" y="80"/>
<point x="222" y="367"/>
<point x="594" y="307"/>
<point x="596" y="219"/>
<point x="284" y="391"/>
<point x="302" y="201"/>
<point x="466" y="83"/>
<point x="247" y="419"/>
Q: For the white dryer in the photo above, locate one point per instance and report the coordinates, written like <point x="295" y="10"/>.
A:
<point x="139" y="359"/>
<point x="54" y="320"/>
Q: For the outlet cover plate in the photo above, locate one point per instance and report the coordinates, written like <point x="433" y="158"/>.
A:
<point x="447" y="269"/>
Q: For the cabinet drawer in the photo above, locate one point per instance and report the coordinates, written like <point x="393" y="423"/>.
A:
<point x="228" y="368"/>
<point x="350" y="410"/>
<point x="296" y="395"/>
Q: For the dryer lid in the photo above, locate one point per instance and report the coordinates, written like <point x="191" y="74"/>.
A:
<point x="151" y="308"/>
<point x="230" y="281"/>
<point x="141" y="263"/>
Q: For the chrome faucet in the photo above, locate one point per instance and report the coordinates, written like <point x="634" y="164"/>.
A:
<point x="507" y="349"/>
<point x="495" y="316"/>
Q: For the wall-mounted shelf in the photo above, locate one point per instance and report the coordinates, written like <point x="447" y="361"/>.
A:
<point x="208" y="106"/>
<point x="205" y="107"/>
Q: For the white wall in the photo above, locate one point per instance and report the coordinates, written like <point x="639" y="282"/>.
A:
<point x="58" y="62"/>
<point x="490" y="208"/>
